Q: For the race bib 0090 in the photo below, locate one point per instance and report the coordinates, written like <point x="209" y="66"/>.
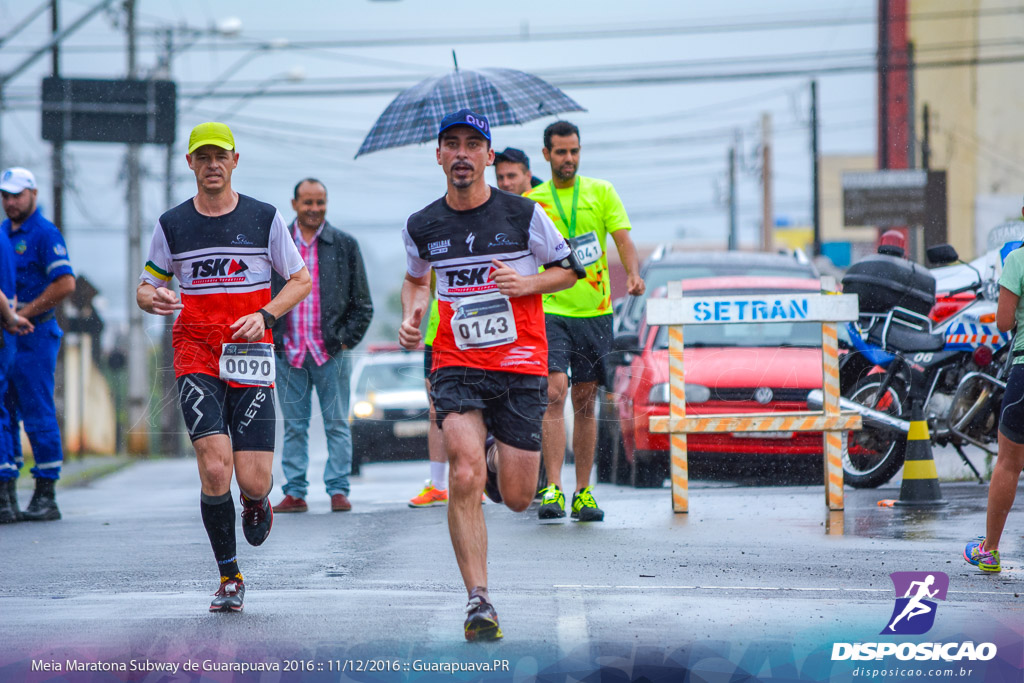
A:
<point x="483" y="321"/>
<point x="248" y="364"/>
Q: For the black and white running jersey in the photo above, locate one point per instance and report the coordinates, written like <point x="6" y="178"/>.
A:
<point x="223" y="266"/>
<point x="459" y="246"/>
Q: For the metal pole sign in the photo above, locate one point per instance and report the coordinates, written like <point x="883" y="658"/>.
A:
<point x="886" y="199"/>
<point x="124" y="111"/>
<point x="828" y="309"/>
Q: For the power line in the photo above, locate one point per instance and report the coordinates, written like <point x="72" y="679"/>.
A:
<point x="487" y="36"/>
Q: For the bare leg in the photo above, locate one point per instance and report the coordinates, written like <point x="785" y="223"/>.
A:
<point x="517" y="476"/>
<point x="253" y="473"/>
<point x="553" y="429"/>
<point x="1002" y="489"/>
<point x="435" y="442"/>
<point x="584" y="436"/>
<point x="464" y="436"/>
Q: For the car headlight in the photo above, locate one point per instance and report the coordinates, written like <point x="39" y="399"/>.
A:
<point x="695" y="393"/>
<point x="362" y="409"/>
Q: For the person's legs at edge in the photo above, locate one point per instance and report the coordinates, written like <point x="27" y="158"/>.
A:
<point x="553" y="446"/>
<point x="332" y="388"/>
<point x="1002" y="489"/>
<point x="213" y="456"/>
<point x="294" y="387"/>
<point x="435" y="490"/>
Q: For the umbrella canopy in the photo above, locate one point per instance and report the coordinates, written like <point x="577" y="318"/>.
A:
<point x="504" y="96"/>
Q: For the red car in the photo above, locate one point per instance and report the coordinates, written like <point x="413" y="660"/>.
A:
<point x="735" y="368"/>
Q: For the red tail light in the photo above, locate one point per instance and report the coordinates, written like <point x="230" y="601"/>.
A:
<point x="982" y="356"/>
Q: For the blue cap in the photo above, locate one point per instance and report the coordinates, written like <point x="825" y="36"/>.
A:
<point x="466" y="117"/>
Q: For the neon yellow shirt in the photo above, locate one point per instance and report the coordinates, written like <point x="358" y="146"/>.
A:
<point x="598" y="210"/>
<point x="432" y="323"/>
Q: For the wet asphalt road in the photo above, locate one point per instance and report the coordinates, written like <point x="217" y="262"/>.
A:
<point x="129" y="570"/>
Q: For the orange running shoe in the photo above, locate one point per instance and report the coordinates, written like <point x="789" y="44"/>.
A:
<point x="429" y="496"/>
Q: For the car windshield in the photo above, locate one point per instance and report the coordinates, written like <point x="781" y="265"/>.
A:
<point x="748" y="335"/>
<point x="659" y="275"/>
<point x="392" y="376"/>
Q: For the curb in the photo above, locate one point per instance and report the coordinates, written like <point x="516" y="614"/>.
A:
<point x="82" y="473"/>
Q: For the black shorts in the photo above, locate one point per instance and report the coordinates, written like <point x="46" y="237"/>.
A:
<point x="210" y="406"/>
<point x="428" y="360"/>
<point x="513" y="404"/>
<point x="1011" y="417"/>
<point x="578" y="346"/>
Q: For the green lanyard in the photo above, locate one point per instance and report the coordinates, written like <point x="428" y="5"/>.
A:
<point x="570" y="224"/>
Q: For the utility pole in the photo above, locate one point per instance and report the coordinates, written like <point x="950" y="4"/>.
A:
<point x="57" y="157"/>
<point x="926" y="143"/>
<point x="170" y="417"/>
<point x="767" y="211"/>
<point x="732" y="197"/>
<point x="816" y="189"/>
<point x="138" y="420"/>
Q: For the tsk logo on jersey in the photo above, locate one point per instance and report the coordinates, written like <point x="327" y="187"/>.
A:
<point x="464" y="280"/>
<point x="218" y="270"/>
<point x="914" y="613"/>
<point x="439" y="247"/>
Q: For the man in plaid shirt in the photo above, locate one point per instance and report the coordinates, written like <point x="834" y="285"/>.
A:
<point x="312" y="342"/>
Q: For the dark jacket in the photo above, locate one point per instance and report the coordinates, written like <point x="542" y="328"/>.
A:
<point x="345" y="305"/>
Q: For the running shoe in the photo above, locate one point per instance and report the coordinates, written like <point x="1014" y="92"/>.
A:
<point x="257" y="518"/>
<point x="429" y="496"/>
<point x="481" y="620"/>
<point x="552" y="504"/>
<point x="985" y="560"/>
<point x="228" y="597"/>
<point x="584" y="507"/>
<point x="491" y="485"/>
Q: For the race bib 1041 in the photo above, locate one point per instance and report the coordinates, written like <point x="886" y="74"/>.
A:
<point x="483" y="321"/>
<point x="248" y="364"/>
<point x="587" y="248"/>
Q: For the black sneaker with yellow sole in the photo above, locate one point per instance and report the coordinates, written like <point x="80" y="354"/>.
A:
<point x="552" y="503"/>
<point x="481" y="620"/>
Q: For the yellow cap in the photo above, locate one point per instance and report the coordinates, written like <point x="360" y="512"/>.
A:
<point x="211" y="133"/>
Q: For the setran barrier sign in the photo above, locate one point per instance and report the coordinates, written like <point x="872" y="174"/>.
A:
<point x="828" y="309"/>
<point x="122" y="111"/>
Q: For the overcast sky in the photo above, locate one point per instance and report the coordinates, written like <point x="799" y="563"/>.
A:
<point x="663" y="145"/>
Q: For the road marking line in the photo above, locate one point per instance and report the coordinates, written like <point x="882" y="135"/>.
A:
<point x="578" y="586"/>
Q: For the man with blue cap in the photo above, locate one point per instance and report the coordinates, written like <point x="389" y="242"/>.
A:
<point x="44" y="279"/>
<point x="489" y="370"/>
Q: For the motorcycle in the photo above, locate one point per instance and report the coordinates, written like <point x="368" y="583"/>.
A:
<point x="901" y="365"/>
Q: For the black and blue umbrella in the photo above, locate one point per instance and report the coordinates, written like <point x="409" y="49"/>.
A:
<point x="504" y="96"/>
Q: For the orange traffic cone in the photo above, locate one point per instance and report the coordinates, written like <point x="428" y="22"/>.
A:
<point x="920" y="486"/>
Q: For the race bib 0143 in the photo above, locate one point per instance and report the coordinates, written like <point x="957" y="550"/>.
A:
<point x="484" y="321"/>
<point x="248" y="364"/>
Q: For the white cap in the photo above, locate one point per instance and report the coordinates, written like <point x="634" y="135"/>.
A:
<point x="17" y="179"/>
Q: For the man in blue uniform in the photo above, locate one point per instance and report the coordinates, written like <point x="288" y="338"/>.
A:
<point x="12" y="323"/>
<point x="44" y="279"/>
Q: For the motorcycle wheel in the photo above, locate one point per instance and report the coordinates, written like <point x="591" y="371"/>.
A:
<point x="873" y="456"/>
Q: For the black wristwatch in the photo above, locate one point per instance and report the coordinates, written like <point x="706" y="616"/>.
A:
<point x="268" y="318"/>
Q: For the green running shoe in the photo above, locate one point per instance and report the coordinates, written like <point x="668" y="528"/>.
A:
<point x="552" y="504"/>
<point x="584" y="507"/>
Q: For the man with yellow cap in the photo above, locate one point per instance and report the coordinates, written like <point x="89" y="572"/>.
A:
<point x="222" y="247"/>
